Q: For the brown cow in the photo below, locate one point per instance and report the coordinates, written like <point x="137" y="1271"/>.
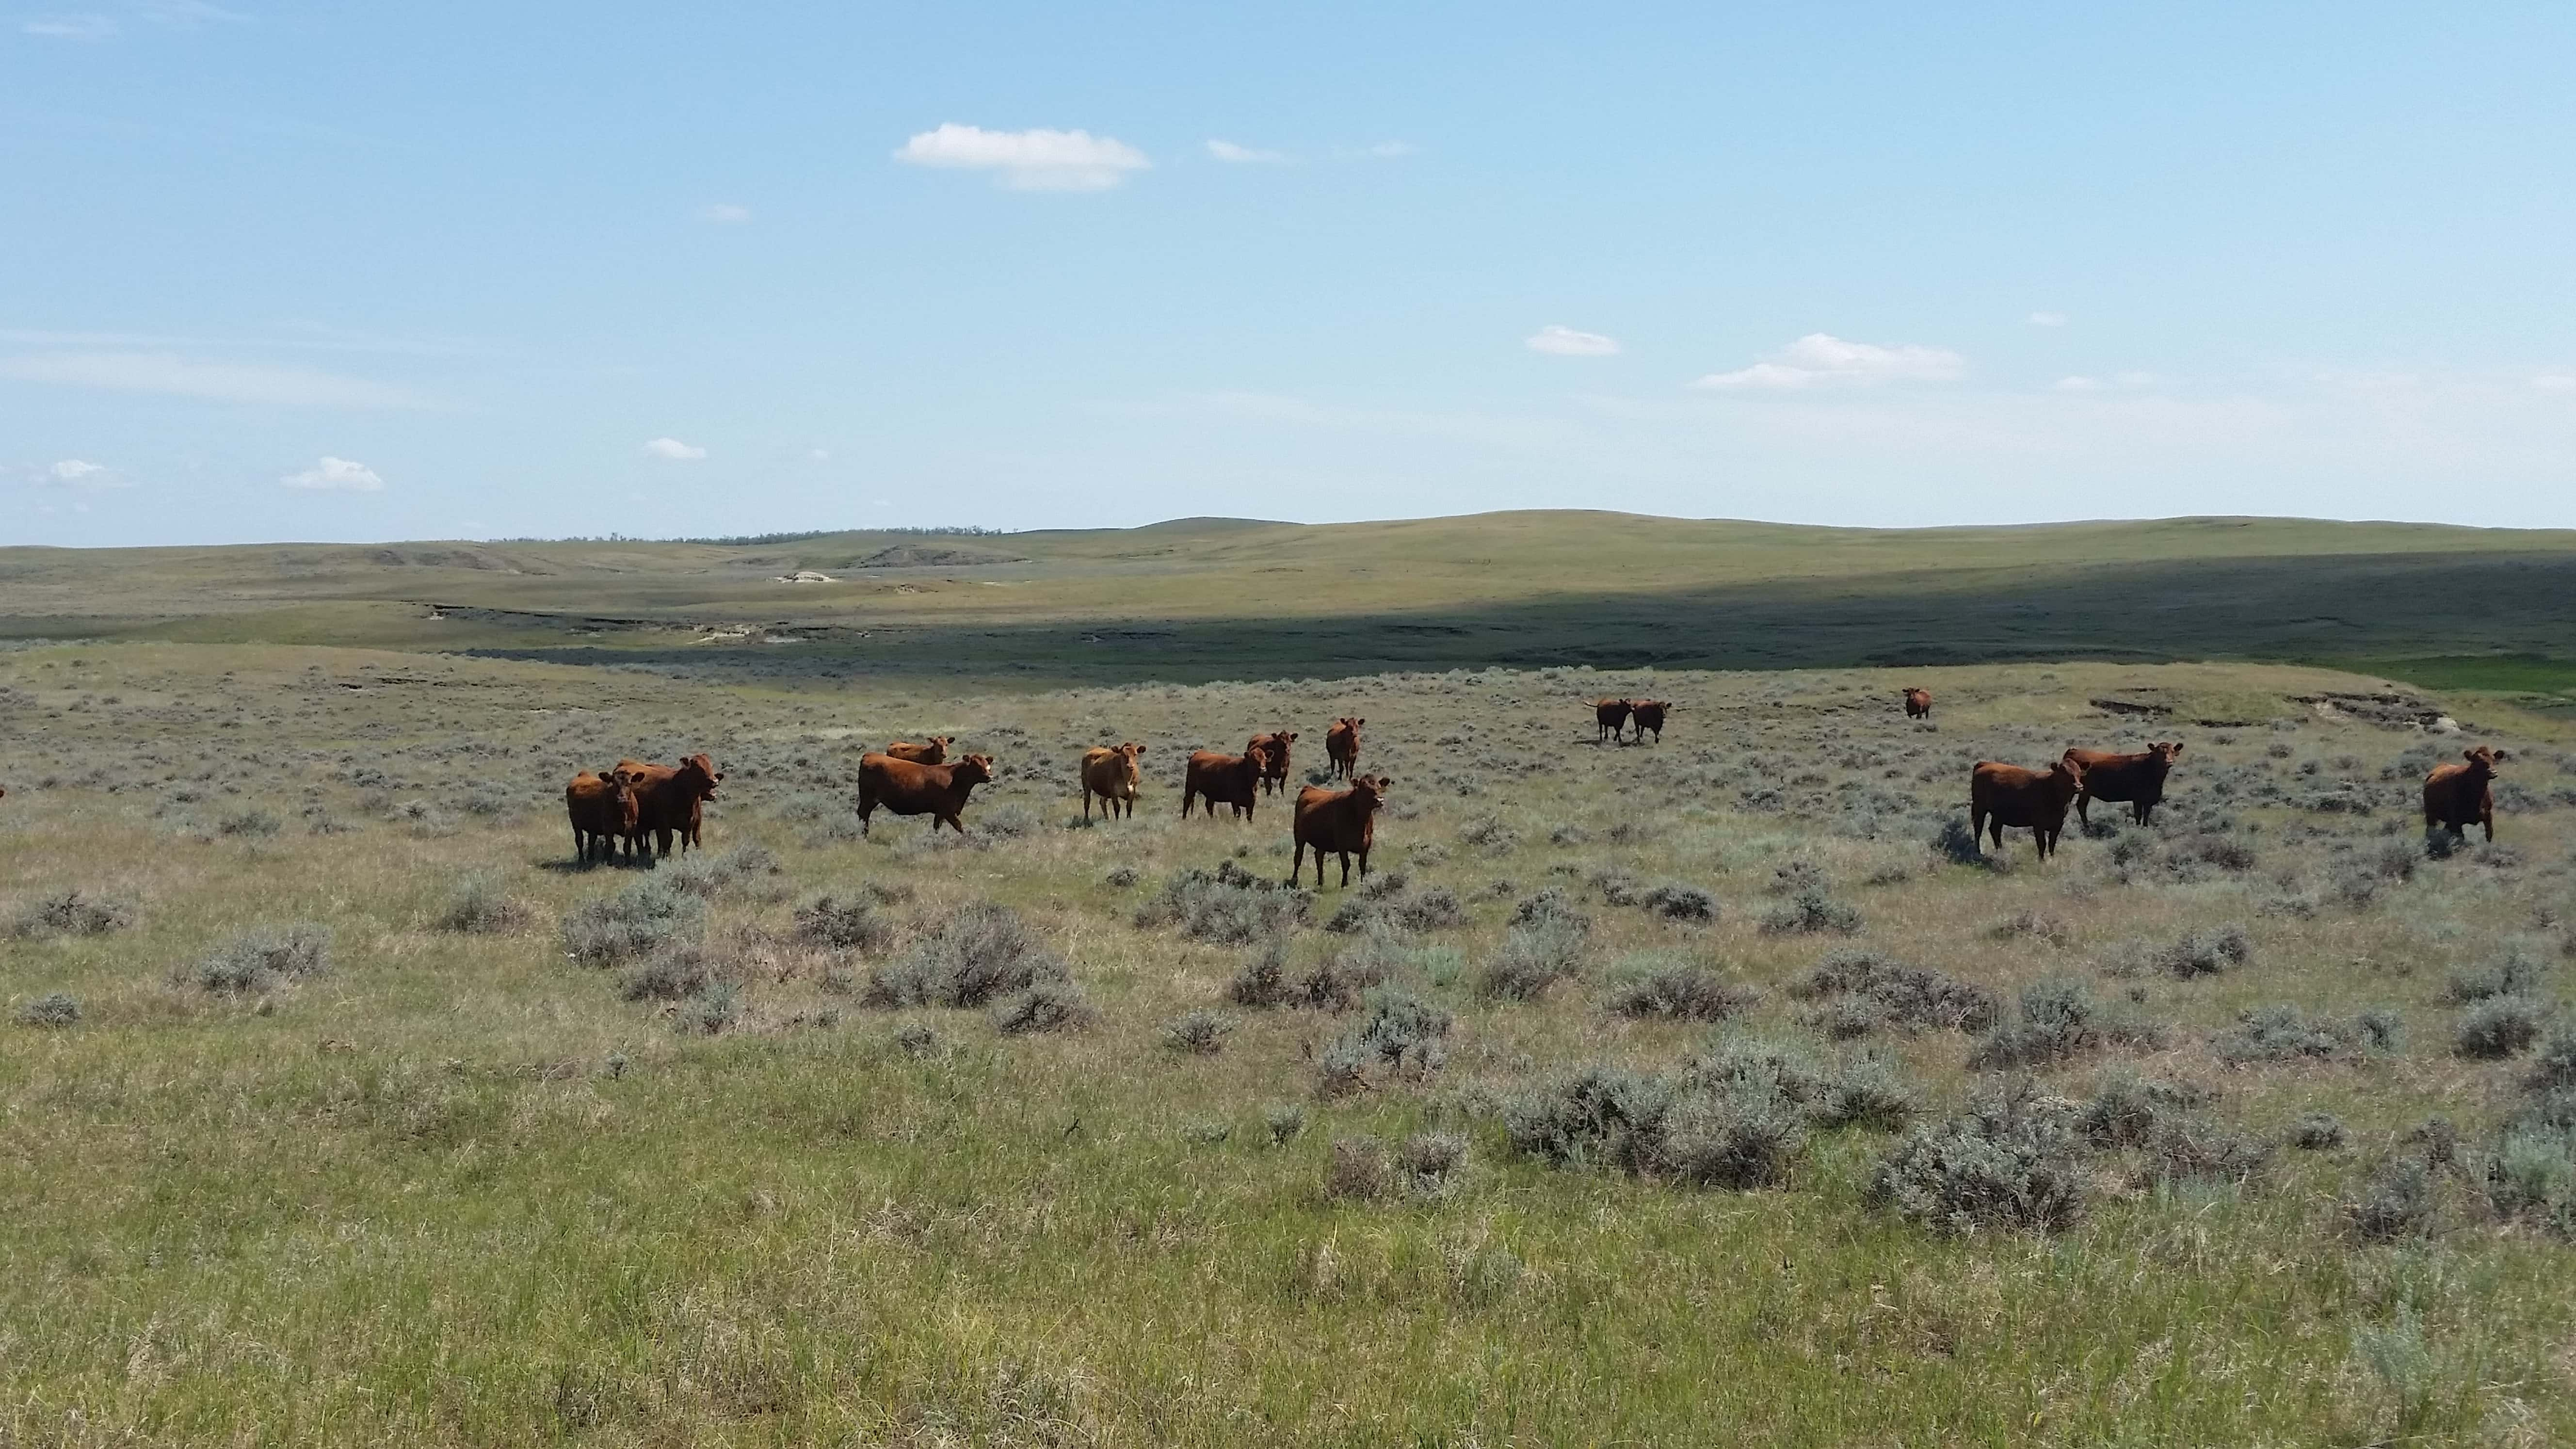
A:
<point x="602" y="808"/>
<point x="1342" y="748"/>
<point x="2458" y="796"/>
<point x="906" y="788"/>
<point x="1918" y="704"/>
<point x="1111" y="775"/>
<point x="1648" y="714"/>
<point x="1611" y="717"/>
<point x="1223" y="780"/>
<point x="933" y="753"/>
<point x="1342" y="822"/>
<point x="667" y="800"/>
<point x="2137" y="779"/>
<point x="1273" y="749"/>
<point x="2011" y="795"/>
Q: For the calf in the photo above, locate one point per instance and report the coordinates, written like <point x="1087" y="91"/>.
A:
<point x="1342" y="748"/>
<point x="2459" y="796"/>
<point x="2011" y="795"/>
<point x="2136" y="779"/>
<point x="1111" y="775"/>
<point x="1342" y="822"/>
<point x="602" y="808"/>
<point x="668" y="800"/>
<point x="1918" y="704"/>
<point x="1648" y="714"/>
<point x="1273" y="750"/>
<point x="1222" y="780"/>
<point x="932" y="753"/>
<point x="904" y="787"/>
<point x="1610" y="716"/>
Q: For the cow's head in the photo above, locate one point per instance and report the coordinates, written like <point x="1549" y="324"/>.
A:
<point x="2066" y="776"/>
<point x="1650" y="706"/>
<point x="971" y="770"/>
<point x="1369" y="791"/>
<point x="2165" y="753"/>
<point x="2482" y="761"/>
<point x="1351" y="723"/>
<point x="621" y="783"/>
<point x="697" y="776"/>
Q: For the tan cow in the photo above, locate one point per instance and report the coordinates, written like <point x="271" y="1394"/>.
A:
<point x="2459" y="796"/>
<point x="1342" y="748"/>
<point x="1341" y="822"/>
<point x="2011" y="795"/>
<point x="1111" y="774"/>
<point x="906" y="788"/>
<point x="1918" y="704"/>
<point x="932" y="752"/>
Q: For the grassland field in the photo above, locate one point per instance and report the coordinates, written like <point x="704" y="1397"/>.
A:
<point x="1701" y="1091"/>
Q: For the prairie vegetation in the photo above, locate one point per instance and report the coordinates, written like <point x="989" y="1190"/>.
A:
<point x="1659" y="1093"/>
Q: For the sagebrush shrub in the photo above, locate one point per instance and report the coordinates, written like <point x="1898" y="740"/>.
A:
<point x="54" y="1009"/>
<point x="2317" y="1131"/>
<point x="1228" y="905"/>
<point x="2013" y="1160"/>
<point x="1358" y="1171"/>
<point x="1263" y="978"/>
<point x="263" y="958"/>
<point x="1912" y="995"/>
<point x="636" y="921"/>
<point x="1681" y="992"/>
<point x="1811" y="912"/>
<point x="2283" y="1032"/>
<point x="844" y="924"/>
<point x="1532" y="958"/>
<point x="479" y="905"/>
<point x="2396" y="1202"/>
<point x="2059" y="1017"/>
<point x="71" y="913"/>
<point x="2207" y="952"/>
<point x="1200" y="1032"/>
<point x="971" y="957"/>
<point x="1049" y="1005"/>
<point x="673" y="973"/>
<point x="2500" y="1026"/>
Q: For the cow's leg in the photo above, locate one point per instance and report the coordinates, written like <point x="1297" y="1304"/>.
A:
<point x="1297" y="863"/>
<point x="1364" y="862"/>
<point x="2082" y="815"/>
<point x="1346" y="871"/>
<point x="1086" y="805"/>
<point x="2489" y="820"/>
<point x="867" y="807"/>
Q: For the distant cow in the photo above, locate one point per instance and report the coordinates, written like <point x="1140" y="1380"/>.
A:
<point x="2138" y="779"/>
<point x="1111" y="775"/>
<point x="906" y="788"/>
<point x="2011" y="795"/>
<point x="667" y="800"/>
<point x="602" y="808"/>
<point x="1222" y="780"/>
<point x="1648" y="714"/>
<point x="1918" y="704"/>
<point x="1338" y="822"/>
<point x="934" y="752"/>
<point x="2458" y="796"/>
<point x="1342" y="748"/>
<point x="1273" y="750"/>
<point x="1611" y="717"/>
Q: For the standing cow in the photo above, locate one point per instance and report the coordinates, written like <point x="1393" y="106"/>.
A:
<point x="668" y="800"/>
<point x="2136" y="779"/>
<point x="1918" y="704"/>
<point x="1648" y="714"/>
<point x="906" y="788"/>
<point x="1222" y="780"/>
<point x="2008" y="795"/>
<point x="933" y="751"/>
<point x="602" y="808"/>
<point x="1111" y="774"/>
<point x="1341" y="822"/>
<point x="2459" y="796"/>
<point x="1610" y="717"/>
<point x="1342" y="748"/>
<point x="1273" y="750"/>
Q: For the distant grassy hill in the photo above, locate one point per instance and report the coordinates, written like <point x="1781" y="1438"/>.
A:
<point x="1214" y="598"/>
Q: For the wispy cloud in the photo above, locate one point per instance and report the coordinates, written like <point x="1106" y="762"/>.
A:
<point x="2555" y="382"/>
<point x="725" y="213"/>
<point x="1034" y="160"/>
<point x="2047" y="319"/>
<point x="1820" y="359"/>
<point x="71" y="27"/>
<point x="1566" y="342"/>
<point x="1247" y="155"/>
<point x="336" y="475"/>
<point x="70" y="473"/>
<point x="98" y="25"/>
<point x="1390" y="150"/>
<point x="238" y="382"/>
<point x="675" y="450"/>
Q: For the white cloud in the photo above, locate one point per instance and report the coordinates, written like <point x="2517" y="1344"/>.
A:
<point x="1246" y="155"/>
<point x="818" y="455"/>
<point x="1389" y="150"/>
<point x="71" y="473"/>
<point x="725" y="213"/>
<point x="336" y="475"/>
<point x="2047" y="319"/>
<point x="2079" y="384"/>
<point x="71" y="27"/>
<point x="241" y="382"/>
<point x="1034" y="160"/>
<point x="1566" y="342"/>
<point x="1820" y="359"/>
<point x="2555" y="382"/>
<point x="675" y="450"/>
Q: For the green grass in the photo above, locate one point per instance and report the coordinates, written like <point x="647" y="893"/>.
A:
<point x="2517" y="674"/>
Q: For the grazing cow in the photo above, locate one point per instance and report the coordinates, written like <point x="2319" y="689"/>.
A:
<point x="1111" y="775"/>
<point x="2137" y="779"/>
<point x="2011" y="795"/>
<point x="1273" y="750"/>
<point x="1222" y="780"/>
<point x="935" y="752"/>
<point x="667" y="800"/>
<point x="1648" y="714"/>
<point x="904" y="787"/>
<point x="1918" y="704"/>
<point x="2459" y="796"/>
<point x="602" y="808"/>
<point x="1342" y="748"/>
<point x="1339" y="822"/>
<point x="1611" y="717"/>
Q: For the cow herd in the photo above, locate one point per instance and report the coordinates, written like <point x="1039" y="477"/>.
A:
<point x="641" y="809"/>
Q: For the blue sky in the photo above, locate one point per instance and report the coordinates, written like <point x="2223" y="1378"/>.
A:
<point x="289" y="270"/>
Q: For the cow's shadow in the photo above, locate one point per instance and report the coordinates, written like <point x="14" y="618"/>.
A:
<point x="558" y="865"/>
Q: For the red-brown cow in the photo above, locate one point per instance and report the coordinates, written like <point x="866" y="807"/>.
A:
<point x="932" y="752"/>
<point x="602" y="808"/>
<point x="906" y="788"/>
<point x="1918" y="704"/>
<point x="1610" y="716"/>
<point x="2137" y="779"/>
<point x="2011" y="795"/>
<point x="1273" y="750"/>
<point x="1222" y="780"/>
<point x="1338" y="822"/>
<point x="1342" y="748"/>
<point x="1111" y="774"/>
<point x="667" y="800"/>
<point x="2459" y="796"/>
<point x="1648" y="714"/>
